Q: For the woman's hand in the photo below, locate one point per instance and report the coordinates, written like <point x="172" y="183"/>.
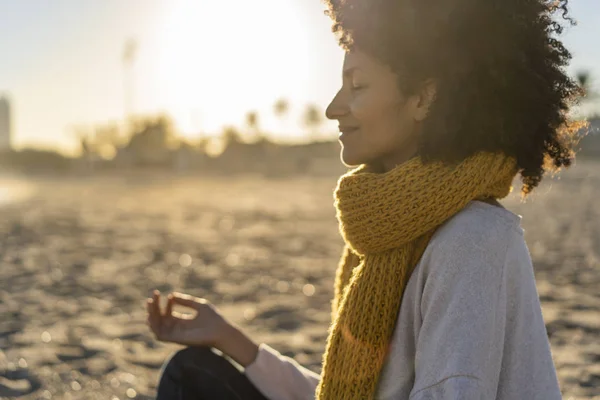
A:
<point x="202" y="329"/>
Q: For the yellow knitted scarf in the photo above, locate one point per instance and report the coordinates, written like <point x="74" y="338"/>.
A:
<point x="386" y="221"/>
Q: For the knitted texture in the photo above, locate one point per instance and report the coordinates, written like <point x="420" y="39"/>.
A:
<point x="386" y="221"/>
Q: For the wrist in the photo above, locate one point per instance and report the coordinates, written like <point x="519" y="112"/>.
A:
<point x="223" y="335"/>
<point x="237" y="345"/>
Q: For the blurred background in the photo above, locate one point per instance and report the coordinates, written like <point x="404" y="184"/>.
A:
<point x="182" y="145"/>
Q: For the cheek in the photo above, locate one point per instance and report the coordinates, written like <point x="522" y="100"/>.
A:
<point x="368" y="108"/>
<point x="381" y="119"/>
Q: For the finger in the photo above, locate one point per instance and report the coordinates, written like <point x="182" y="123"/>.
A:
<point x="152" y="317"/>
<point x="156" y="299"/>
<point x="186" y="300"/>
<point x="169" y="308"/>
<point x="149" y="306"/>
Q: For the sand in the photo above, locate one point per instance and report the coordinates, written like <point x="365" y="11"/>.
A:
<point x="80" y="255"/>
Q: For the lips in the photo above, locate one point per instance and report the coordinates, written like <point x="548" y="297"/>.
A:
<point x="346" y="130"/>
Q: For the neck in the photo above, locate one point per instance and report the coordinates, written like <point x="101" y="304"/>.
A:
<point x="390" y="162"/>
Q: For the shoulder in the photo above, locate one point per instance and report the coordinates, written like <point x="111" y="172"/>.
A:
<point x="479" y="234"/>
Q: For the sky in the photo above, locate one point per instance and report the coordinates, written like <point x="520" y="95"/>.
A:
<point x="205" y="62"/>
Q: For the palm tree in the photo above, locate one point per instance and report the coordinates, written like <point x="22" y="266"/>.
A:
<point x="313" y="119"/>
<point x="281" y="109"/>
<point x="585" y="80"/>
<point x="252" y="123"/>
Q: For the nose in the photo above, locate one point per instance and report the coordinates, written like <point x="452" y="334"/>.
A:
<point x="337" y="108"/>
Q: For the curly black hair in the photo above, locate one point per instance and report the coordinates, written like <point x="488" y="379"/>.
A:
<point x="498" y="65"/>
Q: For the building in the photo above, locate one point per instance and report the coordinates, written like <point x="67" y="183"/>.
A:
<point x="5" y="124"/>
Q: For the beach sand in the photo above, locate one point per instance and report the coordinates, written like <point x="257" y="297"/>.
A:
<point x="80" y="256"/>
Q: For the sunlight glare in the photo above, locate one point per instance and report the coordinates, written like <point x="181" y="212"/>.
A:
<point x="219" y="60"/>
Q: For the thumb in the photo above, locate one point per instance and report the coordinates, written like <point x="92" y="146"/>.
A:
<point x="185" y="300"/>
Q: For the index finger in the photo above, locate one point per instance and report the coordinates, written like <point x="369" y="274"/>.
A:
<point x="186" y="300"/>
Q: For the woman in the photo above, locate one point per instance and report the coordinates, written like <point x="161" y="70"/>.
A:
<point x="442" y="104"/>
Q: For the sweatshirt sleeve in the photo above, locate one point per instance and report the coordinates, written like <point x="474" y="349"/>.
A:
<point x="279" y="377"/>
<point x="459" y="347"/>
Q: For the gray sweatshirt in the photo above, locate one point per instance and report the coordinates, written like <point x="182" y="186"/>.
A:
<point x="470" y="325"/>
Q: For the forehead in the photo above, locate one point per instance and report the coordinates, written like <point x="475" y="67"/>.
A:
<point x="356" y="59"/>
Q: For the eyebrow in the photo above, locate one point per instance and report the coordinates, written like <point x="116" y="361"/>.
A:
<point x="348" y="72"/>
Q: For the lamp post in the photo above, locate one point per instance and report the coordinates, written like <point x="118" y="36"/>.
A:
<point x="129" y="54"/>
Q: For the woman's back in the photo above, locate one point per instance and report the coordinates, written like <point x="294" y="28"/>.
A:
<point x="471" y="318"/>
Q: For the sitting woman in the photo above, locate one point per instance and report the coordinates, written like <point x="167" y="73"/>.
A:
<point x="442" y="105"/>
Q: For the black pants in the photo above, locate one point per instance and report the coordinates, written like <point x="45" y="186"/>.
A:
<point x="200" y="373"/>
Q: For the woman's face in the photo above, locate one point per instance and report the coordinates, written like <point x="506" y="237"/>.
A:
<point x="378" y="124"/>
